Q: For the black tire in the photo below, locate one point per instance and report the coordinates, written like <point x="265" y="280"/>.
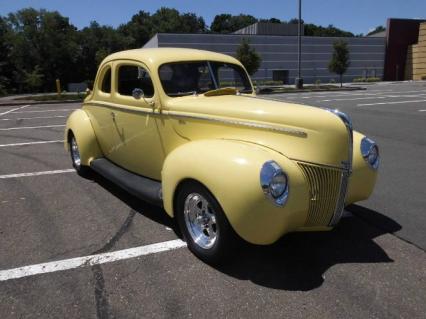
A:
<point x="81" y="170"/>
<point x="226" y="240"/>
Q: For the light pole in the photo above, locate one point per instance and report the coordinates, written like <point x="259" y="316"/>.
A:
<point x="299" y="80"/>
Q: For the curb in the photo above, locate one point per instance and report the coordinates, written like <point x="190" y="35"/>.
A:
<point x="30" y="102"/>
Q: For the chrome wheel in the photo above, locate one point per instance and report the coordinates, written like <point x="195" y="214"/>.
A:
<point x="200" y="220"/>
<point x="75" y="154"/>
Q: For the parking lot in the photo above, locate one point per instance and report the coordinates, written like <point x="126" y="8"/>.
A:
<point x="373" y="265"/>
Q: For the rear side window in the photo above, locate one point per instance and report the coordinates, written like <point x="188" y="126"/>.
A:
<point x="106" y="82"/>
<point x="132" y="77"/>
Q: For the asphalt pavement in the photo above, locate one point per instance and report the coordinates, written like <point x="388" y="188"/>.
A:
<point x="373" y="265"/>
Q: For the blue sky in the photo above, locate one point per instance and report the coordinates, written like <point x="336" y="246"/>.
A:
<point x="357" y="16"/>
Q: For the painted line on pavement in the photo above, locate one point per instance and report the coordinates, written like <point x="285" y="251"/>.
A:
<point x="395" y="102"/>
<point x="376" y="97"/>
<point x="35" y="117"/>
<point x="422" y="110"/>
<point x="15" y="109"/>
<point x="29" y="127"/>
<point x="30" y="143"/>
<point x="59" y="171"/>
<point x="91" y="260"/>
<point x="42" y="111"/>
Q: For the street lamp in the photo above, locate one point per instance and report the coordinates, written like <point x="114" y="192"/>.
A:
<point x="299" y="80"/>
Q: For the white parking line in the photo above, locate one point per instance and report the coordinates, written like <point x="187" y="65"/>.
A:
<point x="15" y="109"/>
<point x="31" y="143"/>
<point x="42" y="111"/>
<point x="422" y="110"/>
<point x="88" y="261"/>
<point x="375" y="97"/>
<point x="29" y="127"/>
<point x="59" y="171"/>
<point x="396" y="102"/>
<point x="35" y="117"/>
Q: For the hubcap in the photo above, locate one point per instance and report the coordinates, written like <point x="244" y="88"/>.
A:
<point x="75" y="154"/>
<point x="200" y="220"/>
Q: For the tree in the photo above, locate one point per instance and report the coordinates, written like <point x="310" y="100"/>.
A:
<point x="379" y="28"/>
<point x="248" y="57"/>
<point x="226" y="23"/>
<point x="320" y="31"/>
<point x="339" y="62"/>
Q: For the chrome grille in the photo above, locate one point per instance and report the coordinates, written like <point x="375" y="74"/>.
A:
<point x="327" y="188"/>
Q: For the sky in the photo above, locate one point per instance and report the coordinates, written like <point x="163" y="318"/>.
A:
<point x="357" y="16"/>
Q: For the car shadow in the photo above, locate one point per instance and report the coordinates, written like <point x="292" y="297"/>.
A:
<point x="298" y="261"/>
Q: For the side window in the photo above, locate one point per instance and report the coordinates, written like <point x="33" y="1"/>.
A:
<point x="131" y="77"/>
<point x="106" y="82"/>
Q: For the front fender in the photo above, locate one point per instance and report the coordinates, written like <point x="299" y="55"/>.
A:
<point x="230" y="170"/>
<point x="79" y="124"/>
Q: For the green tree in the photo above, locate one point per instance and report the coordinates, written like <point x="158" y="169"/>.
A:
<point x="248" y="57"/>
<point x="33" y="79"/>
<point x="6" y="67"/>
<point x="227" y="23"/>
<point x="339" y="62"/>
<point x="320" y="31"/>
<point x="143" y="26"/>
<point x="379" y="28"/>
<point x="46" y="39"/>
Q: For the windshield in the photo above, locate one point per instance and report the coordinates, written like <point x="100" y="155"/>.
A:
<point x="185" y="78"/>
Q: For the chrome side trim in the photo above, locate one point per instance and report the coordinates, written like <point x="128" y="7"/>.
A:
<point x="268" y="127"/>
<point x="347" y="167"/>
<point x="119" y="107"/>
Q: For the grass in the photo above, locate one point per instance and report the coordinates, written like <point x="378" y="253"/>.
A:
<point x="54" y="97"/>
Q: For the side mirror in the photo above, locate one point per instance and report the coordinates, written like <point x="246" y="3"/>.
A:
<point x="138" y="93"/>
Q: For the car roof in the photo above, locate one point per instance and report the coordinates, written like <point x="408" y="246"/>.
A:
<point x="154" y="57"/>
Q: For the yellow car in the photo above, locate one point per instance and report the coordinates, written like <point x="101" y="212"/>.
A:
<point x="184" y="129"/>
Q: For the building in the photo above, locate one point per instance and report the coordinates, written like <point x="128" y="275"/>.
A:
<point x="277" y="46"/>
<point x="401" y="34"/>
<point x="415" y="67"/>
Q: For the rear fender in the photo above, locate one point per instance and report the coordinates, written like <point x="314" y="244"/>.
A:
<point x="79" y="125"/>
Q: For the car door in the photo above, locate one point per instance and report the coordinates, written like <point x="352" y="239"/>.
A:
<point x="138" y="147"/>
<point x="99" y="110"/>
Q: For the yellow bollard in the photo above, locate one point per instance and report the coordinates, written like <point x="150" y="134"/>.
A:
<point x="58" y="87"/>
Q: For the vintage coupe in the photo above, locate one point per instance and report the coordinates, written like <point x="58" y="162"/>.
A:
<point x="184" y="129"/>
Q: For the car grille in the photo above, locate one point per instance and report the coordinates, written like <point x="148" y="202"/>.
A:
<point x="327" y="188"/>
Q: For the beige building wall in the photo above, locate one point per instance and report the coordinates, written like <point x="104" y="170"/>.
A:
<point x="415" y="68"/>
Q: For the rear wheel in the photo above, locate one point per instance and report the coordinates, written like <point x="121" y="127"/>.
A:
<point x="204" y="225"/>
<point x="82" y="170"/>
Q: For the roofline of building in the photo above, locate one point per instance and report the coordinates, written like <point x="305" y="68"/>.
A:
<point x="259" y="35"/>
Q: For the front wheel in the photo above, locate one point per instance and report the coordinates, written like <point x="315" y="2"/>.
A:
<point x="82" y="170"/>
<point x="204" y="225"/>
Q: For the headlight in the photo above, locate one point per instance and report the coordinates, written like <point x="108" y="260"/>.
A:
<point x="274" y="182"/>
<point x="370" y="152"/>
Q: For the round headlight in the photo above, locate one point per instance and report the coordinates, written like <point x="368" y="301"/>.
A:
<point x="370" y="152"/>
<point x="274" y="182"/>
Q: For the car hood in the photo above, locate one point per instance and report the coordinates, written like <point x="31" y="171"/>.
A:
<point x="298" y="131"/>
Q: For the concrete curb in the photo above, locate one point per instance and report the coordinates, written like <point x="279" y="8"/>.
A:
<point x="31" y="102"/>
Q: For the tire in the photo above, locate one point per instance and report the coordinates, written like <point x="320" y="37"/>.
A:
<point x="204" y="225"/>
<point x="81" y="170"/>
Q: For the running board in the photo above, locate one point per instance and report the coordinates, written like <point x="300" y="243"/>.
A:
<point x="139" y="186"/>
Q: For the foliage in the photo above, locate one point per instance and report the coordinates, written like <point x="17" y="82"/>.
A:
<point x="39" y="46"/>
<point x="339" y="62"/>
<point x="320" y="31"/>
<point x="227" y="23"/>
<point x="248" y="57"/>
<point x="369" y="79"/>
<point x="379" y="28"/>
